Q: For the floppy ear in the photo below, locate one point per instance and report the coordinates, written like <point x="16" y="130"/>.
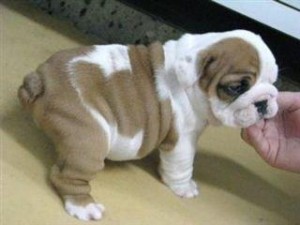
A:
<point x="206" y="65"/>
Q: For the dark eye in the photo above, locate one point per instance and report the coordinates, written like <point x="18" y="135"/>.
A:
<point x="237" y="89"/>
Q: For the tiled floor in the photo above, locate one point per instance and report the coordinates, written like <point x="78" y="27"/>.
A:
<point x="237" y="187"/>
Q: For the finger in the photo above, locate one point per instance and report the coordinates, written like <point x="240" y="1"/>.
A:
<point x="289" y="100"/>
<point x="254" y="136"/>
<point x="244" y="133"/>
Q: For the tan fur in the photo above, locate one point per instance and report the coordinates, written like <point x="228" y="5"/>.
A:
<point x="30" y="90"/>
<point x="225" y="62"/>
<point x="129" y="100"/>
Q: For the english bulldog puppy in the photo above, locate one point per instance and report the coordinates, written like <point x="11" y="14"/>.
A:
<point x="121" y="102"/>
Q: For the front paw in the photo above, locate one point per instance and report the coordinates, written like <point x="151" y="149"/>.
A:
<point x="185" y="190"/>
<point x="92" y="211"/>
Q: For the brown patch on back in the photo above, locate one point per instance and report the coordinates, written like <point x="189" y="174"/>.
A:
<point x="59" y="110"/>
<point x="128" y="98"/>
<point x="226" y="63"/>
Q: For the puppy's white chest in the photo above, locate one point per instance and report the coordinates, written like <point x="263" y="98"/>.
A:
<point x="125" y="148"/>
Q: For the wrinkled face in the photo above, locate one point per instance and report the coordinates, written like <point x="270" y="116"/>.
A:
<point x="238" y="82"/>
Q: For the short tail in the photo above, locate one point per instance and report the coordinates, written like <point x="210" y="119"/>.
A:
<point x="31" y="89"/>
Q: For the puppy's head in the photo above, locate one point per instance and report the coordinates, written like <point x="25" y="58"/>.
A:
<point x="237" y="75"/>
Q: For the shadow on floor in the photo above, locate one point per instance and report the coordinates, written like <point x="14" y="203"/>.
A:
<point x="238" y="180"/>
<point x="20" y="126"/>
<point x="232" y="177"/>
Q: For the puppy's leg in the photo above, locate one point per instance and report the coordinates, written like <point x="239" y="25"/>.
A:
<point x="176" y="166"/>
<point x="80" y="158"/>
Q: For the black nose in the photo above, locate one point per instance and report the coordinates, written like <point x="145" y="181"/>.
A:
<point x="261" y="106"/>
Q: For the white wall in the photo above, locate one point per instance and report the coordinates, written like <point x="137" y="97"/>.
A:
<point x="269" y="12"/>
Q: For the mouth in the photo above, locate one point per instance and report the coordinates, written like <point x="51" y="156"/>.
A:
<point x="258" y="110"/>
<point x="260" y="116"/>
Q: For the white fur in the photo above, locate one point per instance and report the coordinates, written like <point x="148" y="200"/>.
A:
<point x="176" y="167"/>
<point x="178" y="81"/>
<point x="125" y="148"/>
<point x="182" y="54"/>
<point x="109" y="58"/>
<point x="91" y="211"/>
<point x="242" y="112"/>
<point x="180" y="72"/>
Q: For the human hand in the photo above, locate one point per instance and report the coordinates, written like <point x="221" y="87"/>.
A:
<point x="277" y="140"/>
